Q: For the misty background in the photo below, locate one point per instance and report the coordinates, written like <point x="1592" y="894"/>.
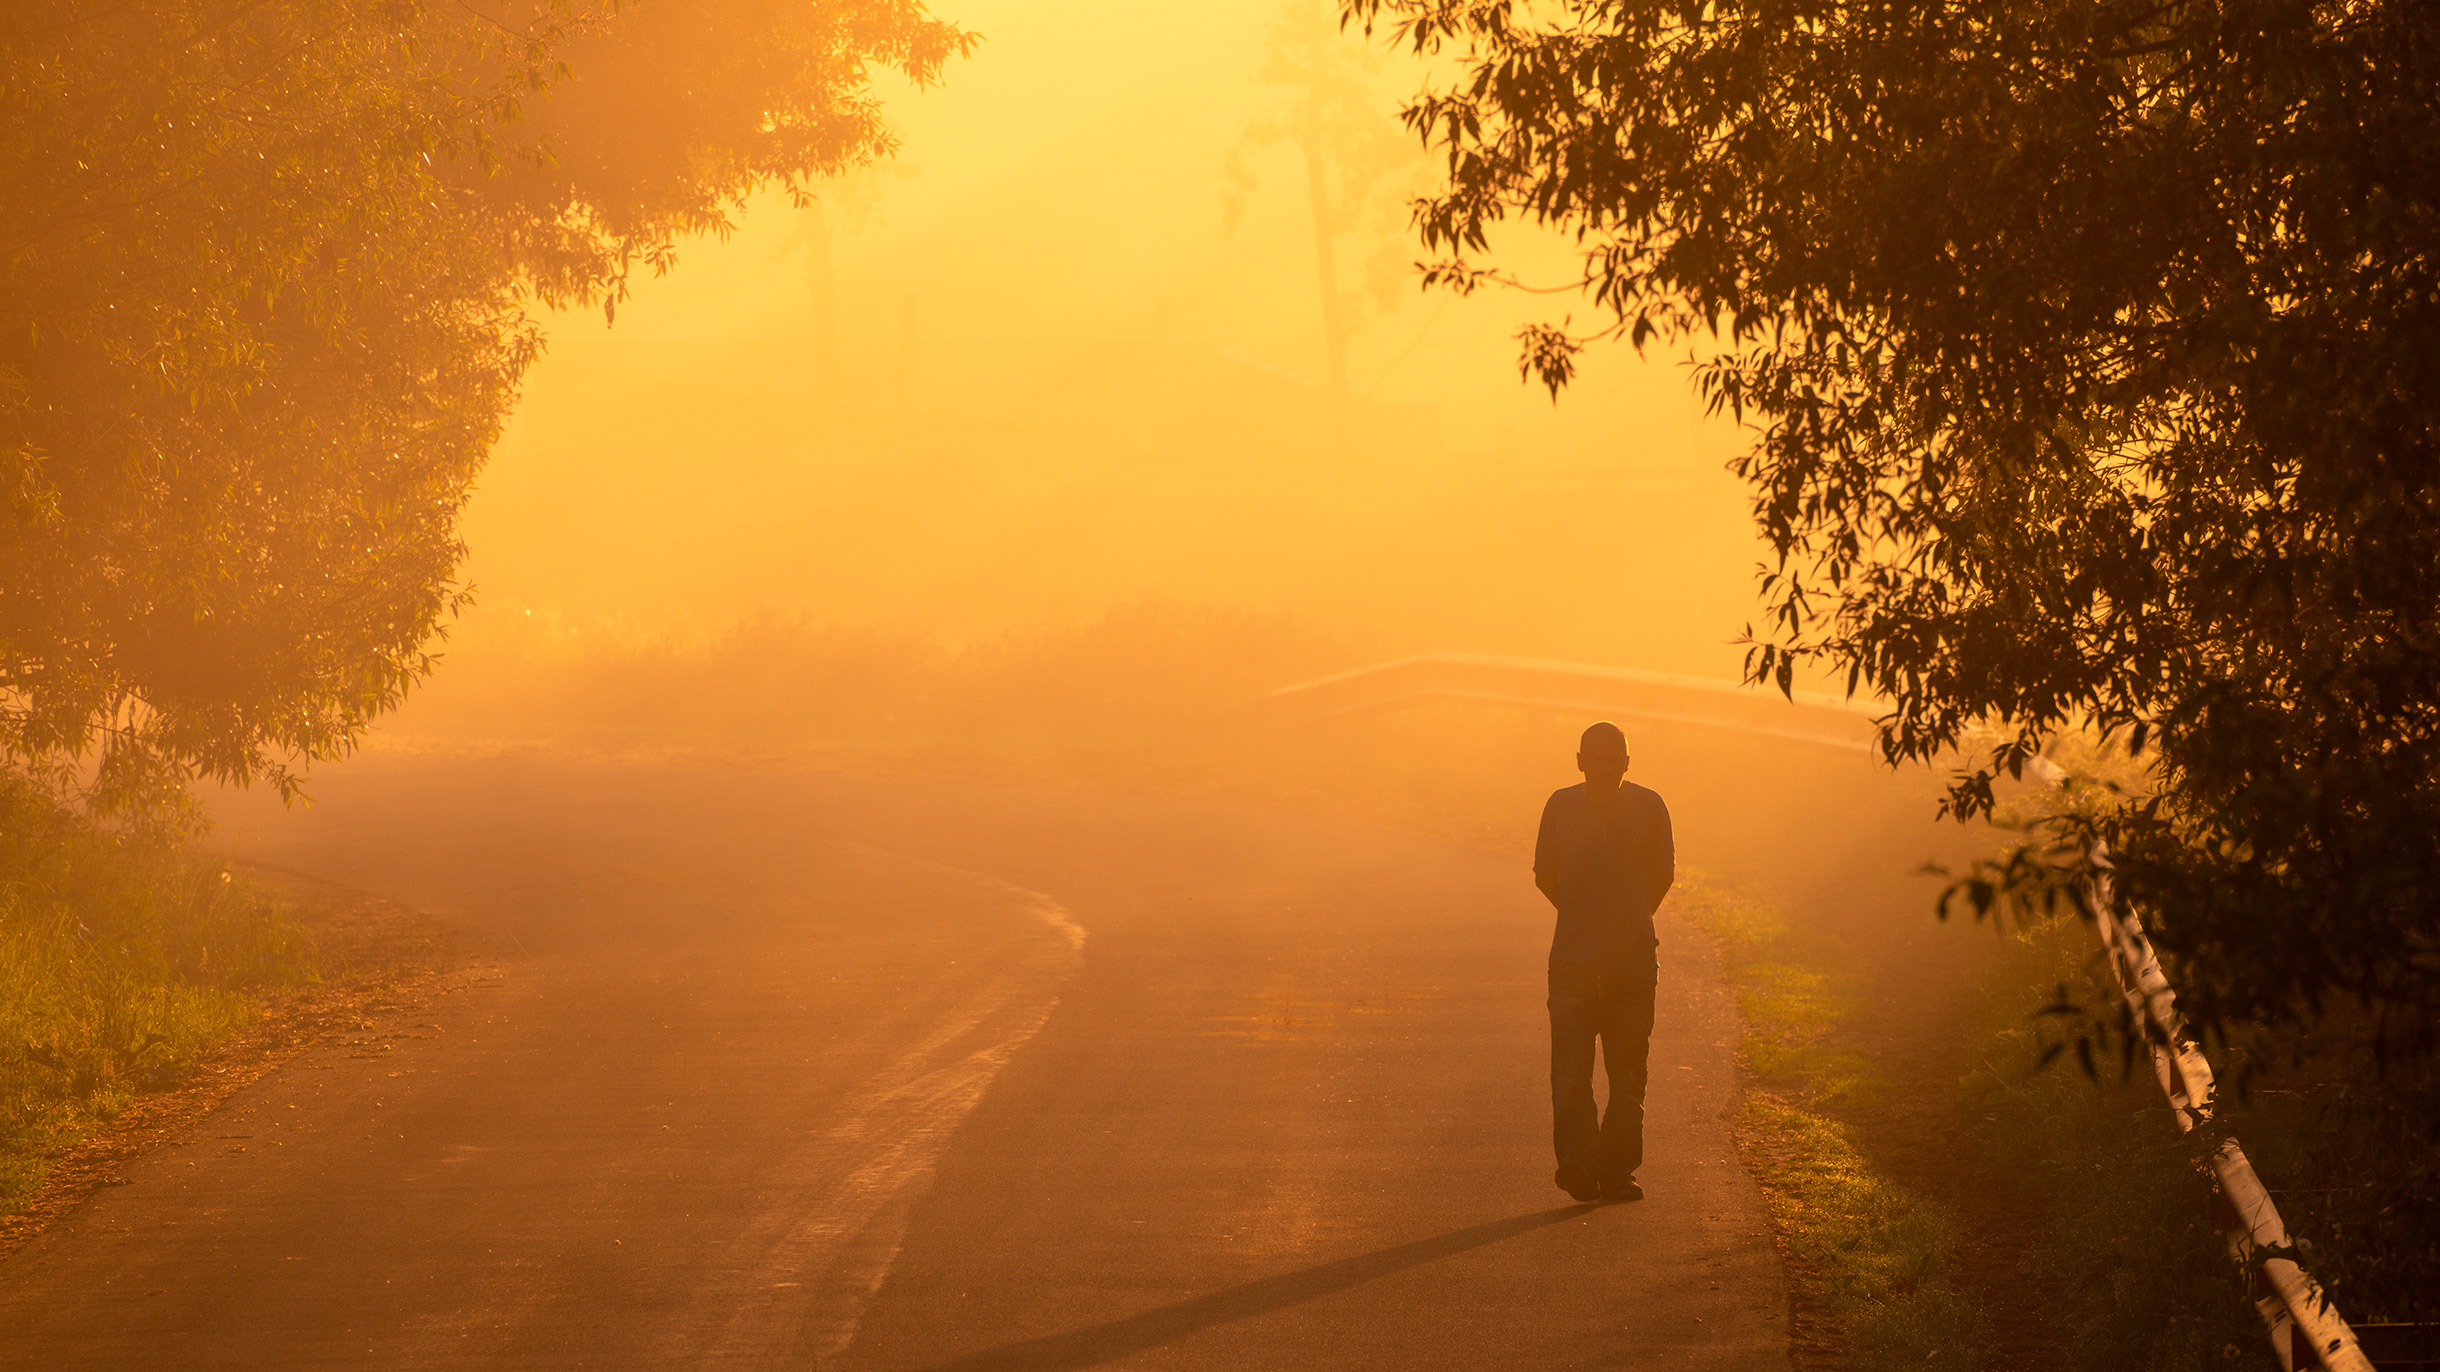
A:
<point x="1060" y="374"/>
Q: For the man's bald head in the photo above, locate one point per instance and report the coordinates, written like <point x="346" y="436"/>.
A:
<point x="1602" y="757"/>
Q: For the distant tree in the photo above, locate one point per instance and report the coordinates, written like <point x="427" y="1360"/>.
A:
<point x="848" y="202"/>
<point x="2093" y="352"/>
<point x="1357" y="166"/>
<point x="266" y="269"/>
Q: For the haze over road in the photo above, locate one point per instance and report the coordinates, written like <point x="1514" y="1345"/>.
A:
<point x="773" y="1068"/>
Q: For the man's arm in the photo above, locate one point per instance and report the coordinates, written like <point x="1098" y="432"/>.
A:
<point x="1546" y="855"/>
<point x="1668" y="854"/>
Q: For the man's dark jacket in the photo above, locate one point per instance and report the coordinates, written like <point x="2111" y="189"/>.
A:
<point x="1607" y="864"/>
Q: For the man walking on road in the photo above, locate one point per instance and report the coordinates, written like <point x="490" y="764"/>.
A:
<point x="1605" y="858"/>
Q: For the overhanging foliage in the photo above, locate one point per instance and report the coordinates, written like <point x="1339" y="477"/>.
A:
<point x="265" y="268"/>
<point x="2093" y="352"/>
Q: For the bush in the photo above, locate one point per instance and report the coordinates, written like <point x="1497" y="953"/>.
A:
<point x="120" y="959"/>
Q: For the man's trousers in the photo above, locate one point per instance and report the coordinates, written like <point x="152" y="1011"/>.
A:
<point x="1615" y="1007"/>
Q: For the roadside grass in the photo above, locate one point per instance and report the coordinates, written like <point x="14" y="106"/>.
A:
<point x="2349" y="1142"/>
<point x="119" y="961"/>
<point x="1869" y="1262"/>
<point x="2128" y="1260"/>
<point x="2125" y="1266"/>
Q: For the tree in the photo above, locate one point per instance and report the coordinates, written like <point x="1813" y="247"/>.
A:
<point x="266" y="272"/>
<point x="850" y="201"/>
<point x="2093" y="355"/>
<point x="1353" y="163"/>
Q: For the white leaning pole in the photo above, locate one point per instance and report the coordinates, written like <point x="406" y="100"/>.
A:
<point x="2305" y="1328"/>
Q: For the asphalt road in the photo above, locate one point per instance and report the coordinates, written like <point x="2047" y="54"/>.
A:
<point x="772" y="1069"/>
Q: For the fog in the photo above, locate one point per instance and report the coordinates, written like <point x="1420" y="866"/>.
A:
<point x="1066" y="355"/>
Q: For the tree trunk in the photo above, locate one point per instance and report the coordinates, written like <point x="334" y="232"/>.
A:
<point x="1325" y="234"/>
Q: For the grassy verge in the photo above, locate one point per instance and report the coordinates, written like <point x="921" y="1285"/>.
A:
<point x="2349" y="1142"/>
<point x="2124" y="1265"/>
<point x="2127" y="1259"/>
<point x="1869" y="1263"/>
<point x="118" y="964"/>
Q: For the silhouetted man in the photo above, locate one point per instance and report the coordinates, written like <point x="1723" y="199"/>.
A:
<point x="1605" y="858"/>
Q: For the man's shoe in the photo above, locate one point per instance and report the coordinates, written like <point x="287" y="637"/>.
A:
<point x="1619" y="1191"/>
<point x="1576" y="1184"/>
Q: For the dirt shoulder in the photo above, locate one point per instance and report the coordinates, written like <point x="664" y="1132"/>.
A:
<point x="378" y="962"/>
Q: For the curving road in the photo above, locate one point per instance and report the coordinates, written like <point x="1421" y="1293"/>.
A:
<point x="766" y="1068"/>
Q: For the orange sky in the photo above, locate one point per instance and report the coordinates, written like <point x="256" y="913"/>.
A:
<point x="1050" y="383"/>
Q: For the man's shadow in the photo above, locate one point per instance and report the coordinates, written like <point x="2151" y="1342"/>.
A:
<point x="1107" y="1342"/>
